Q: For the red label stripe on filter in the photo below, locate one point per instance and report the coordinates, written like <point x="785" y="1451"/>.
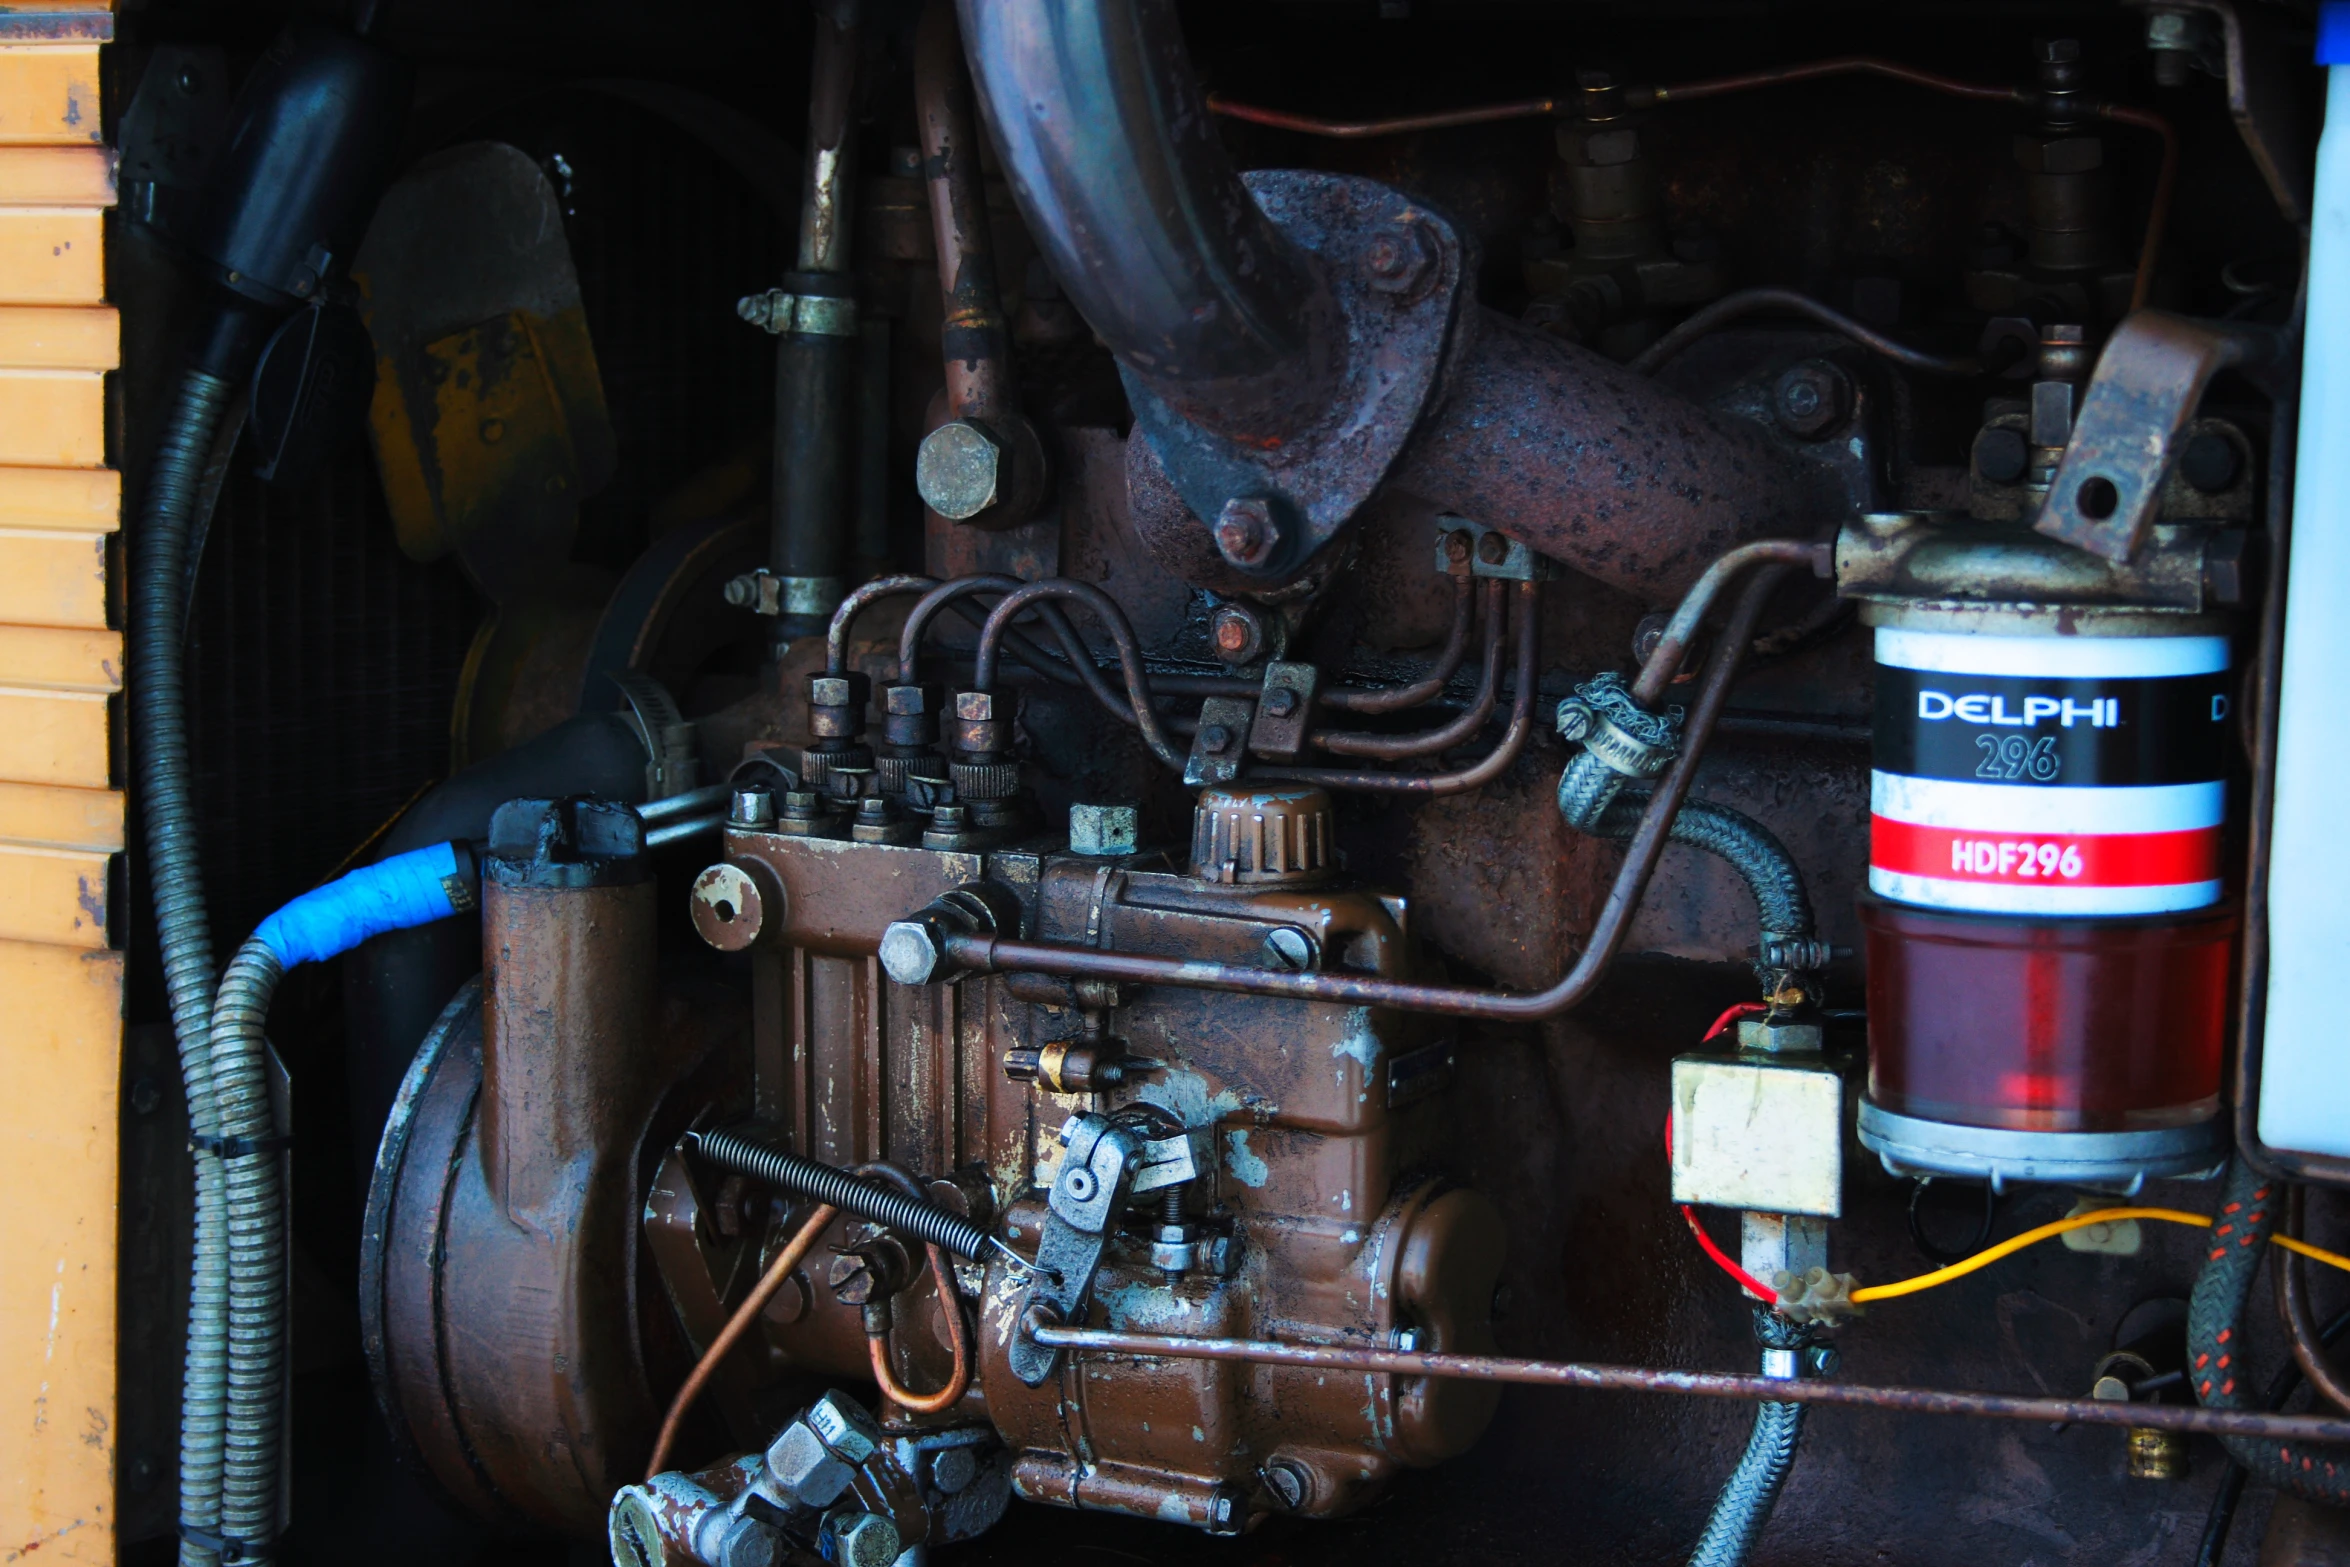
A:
<point x="1986" y="848"/>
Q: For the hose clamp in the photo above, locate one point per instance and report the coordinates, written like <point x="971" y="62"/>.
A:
<point x="1780" y="1365"/>
<point x="810" y="315"/>
<point x="1616" y="730"/>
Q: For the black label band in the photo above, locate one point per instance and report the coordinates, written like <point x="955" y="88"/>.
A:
<point x="2010" y="729"/>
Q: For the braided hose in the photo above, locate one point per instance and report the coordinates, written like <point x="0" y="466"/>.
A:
<point x="2215" y="1341"/>
<point x="841" y="1189"/>
<point x="1753" y="1487"/>
<point x="256" y="1253"/>
<point x="1744" y="844"/>
<point x="159" y="744"/>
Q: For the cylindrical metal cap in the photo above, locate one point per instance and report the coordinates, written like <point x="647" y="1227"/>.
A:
<point x="1261" y="835"/>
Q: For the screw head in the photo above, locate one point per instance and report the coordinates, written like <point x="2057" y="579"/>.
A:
<point x="1821" y="1360"/>
<point x="1080" y="1185"/>
<point x="1247" y="532"/>
<point x="1289" y="949"/>
<point x="958" y="470"/>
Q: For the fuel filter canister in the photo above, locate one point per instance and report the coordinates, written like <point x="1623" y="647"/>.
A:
<point x="2049" y="944"/>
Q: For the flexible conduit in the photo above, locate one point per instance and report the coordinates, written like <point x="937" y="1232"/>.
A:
<point x="159" y="739"/>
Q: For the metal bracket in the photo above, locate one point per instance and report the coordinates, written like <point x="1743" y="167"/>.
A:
<point x="811" y="315"/>
<point x="2148" y="384"/>
<point x="1465" y="548"/>
<point x="1096" y="1179"/>
<point x="1221" y="743"/>
<point x="1285" y="711"/>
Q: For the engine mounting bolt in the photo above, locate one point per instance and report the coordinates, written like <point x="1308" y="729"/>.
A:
<point x="1399" y="260"/>
<point x="958" y="469"/>
<point x="1247" y="533"/>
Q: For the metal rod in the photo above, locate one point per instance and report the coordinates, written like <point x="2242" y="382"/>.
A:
<point x="1430" y="685"/>
<point x="1750" y="301"/>
<point x="1401" y="125"/>
<point x="1429" y="742"/>
<point x="1702" y="1384"/>
<point x="1664" y="660"/>
<point x="679" y="829"/>
<point x="990" y="954"/>
<point x="692" y="802"/>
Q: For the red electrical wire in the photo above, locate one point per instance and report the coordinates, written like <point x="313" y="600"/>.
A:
<point x="1746" y="1280"/>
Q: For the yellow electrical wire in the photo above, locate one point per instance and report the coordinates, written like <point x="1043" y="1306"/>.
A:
<point x="2079" y="1221"/>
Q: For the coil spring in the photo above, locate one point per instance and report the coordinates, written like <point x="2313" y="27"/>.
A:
<point x="841" y="1189"/>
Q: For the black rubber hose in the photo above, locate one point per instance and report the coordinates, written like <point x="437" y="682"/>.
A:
<point x="159" y="745"/>
<point x="1753" y="1488"/>
<point x="2222" y="1517"/>
<point x="841" y="1189"/>
<point x="2215" y="1340"/>
<point x="1747" y="847"/>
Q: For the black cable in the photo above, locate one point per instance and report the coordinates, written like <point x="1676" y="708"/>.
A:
<point x="2231" y="1486"/>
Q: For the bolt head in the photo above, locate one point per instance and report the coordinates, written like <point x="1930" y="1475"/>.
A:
<point x="1103" y="829"/>
<point x="1811" y="399"/>
<point x="911" y="953"/>
<point x="1280" y="702"/>
<point x="1215" y="738"/>
<point x="1400" y="259"/>
<point x="1289" y="949"/>
<point x="863" y="1540"/>
<point x="1237" y="632"/>
<point x="959" y="470"/>
<point x="803" y="1469"/>
<point x="1247" y="532"/>
<point x="748" y="1542"/>
<point x="1821" y="1360"/>
<point x="2060" y="51"/>
<point x="953" y="1469"/>
<point x="1459" y="546"/>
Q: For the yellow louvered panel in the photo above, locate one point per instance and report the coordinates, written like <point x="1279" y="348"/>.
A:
<point x="68" y="658"/>
<point x="56" y="177"/>
<point x="62" y="1037"/>
<point x="61" y="818"/>
<point x="53" y="895"/>
<point x="61" y="824"/>
<point x="49" y="94"/>
<point x="60" y="500"/>
<point x="54" y="737"/>
<point x="60" y="337"/>
<point x="53" y="418"/>
<point x="51" y="579"/>
<point x="52" y="256"/>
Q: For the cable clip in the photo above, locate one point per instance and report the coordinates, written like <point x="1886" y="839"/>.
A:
<point x="237" y="1147"/>
<point x="226" y="1546"/>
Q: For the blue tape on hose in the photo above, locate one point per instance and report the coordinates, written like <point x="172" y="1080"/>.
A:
<point x="2333" y="33"/>
<point x="406" y="890"/>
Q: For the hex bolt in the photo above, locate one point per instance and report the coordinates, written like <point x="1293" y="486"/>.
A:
<point x="1239" y="635"/>
<point x="953" y="1469"/>
<point x="958" y="470"/>
<point x="1399" y="260"/>
<point x="911" y="953"/>
<point x="1493" y="549"/>
<point x="1459" y="545"/>
<point x="1280" y="702"/>
<point x="1811" y="399"/>
<point x="1247" y="532"/>
<point x="1215" y="738"/>
<point x="862" y="1540"/>
<point x="753" y="807"/>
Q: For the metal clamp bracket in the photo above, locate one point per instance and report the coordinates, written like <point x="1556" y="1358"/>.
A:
<point x="811" y="315"/>
<point x="1095" y="1181"/>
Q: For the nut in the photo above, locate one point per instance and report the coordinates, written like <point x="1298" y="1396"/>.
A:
<point x="1103" y="829"/>
<point x="1247" y="532"/>
<point x="1811" y="399"/>
<point x="958" y="470"/>
<point x="906" y="701"/>
<point x="830" y="691"/>
<point x="975" y="706"/>
<point x="801" y="1469"/>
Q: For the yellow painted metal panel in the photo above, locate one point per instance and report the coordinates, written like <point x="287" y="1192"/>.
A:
<point x="49" y="93"/>
<point x="60" y="337"/>
<point x="54" y="737"/>
<point x="52" y="579"/>
<point x="53" y="895"/>
<point x="56" y="177"/>
<point x="52" y="255"/>
<point x="59" y="1034"/>
<point x="69" y="658"/>
<point x="53" y="418"/>
<point x="60" y="501"/>
<point x="62" y="818"/>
